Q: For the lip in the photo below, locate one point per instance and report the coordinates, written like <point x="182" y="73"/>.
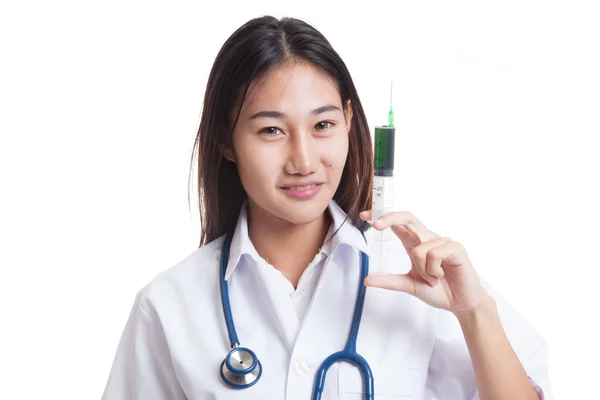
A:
<point x="302" y="183"/>
<point x="302" y="194"/>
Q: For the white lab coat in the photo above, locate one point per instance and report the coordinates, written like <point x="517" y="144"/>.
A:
<point x="175" y="339"/>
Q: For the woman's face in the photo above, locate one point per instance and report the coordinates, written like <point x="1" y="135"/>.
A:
<point x="292" y="132"/>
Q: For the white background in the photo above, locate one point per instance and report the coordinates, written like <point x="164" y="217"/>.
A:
<point x="497" y="114"/>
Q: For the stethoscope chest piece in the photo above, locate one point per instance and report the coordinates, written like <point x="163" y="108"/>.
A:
<point x="241" y="368"/>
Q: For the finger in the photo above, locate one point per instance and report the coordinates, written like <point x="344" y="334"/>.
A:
<point x="403" y="283"/>
<point x="403" y="234"/>
<point x="450" y="253"/>
<point x="434" y="262"/>
<point x="428" y="259"/>
<point x="408" y="221"/>
<point x="366" y="215"/>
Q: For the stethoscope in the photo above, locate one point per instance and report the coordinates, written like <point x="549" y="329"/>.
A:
<point x="241" y="368"/>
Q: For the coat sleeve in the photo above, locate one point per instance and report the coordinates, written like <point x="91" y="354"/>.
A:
<point x="142" y="368"/>
<point x="451" y="374"/>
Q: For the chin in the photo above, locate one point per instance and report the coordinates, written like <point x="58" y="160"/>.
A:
<point x="301" y="212"/>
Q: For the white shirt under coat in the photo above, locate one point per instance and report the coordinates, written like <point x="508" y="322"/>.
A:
<point x="175" y="338"/>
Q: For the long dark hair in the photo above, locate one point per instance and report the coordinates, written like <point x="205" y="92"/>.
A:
<point x="252" y="51"/>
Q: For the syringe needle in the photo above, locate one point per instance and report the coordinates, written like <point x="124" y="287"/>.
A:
<point x="391" y="112"/>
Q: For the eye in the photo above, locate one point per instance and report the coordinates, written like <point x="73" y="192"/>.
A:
<point x="324" y="125"/>
<point x="270" y="131"/>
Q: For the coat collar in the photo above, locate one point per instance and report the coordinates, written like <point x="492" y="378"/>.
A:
<point x="347" y="234"/>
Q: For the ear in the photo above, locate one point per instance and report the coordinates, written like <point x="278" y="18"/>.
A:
<point x="348" y="115"/>
<point x="228" y="154"/>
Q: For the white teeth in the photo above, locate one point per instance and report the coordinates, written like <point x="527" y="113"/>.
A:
<point x="305" y="187"/>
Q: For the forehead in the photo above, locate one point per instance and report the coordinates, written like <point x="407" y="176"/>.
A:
<point x="297" y="86"/>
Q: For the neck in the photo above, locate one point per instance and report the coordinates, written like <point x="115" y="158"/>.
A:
<point x="288" y="247"/>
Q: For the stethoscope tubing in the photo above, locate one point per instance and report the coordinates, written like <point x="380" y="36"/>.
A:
<point x="349" y="353"/>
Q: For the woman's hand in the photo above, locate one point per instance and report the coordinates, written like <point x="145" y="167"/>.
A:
<point x="441" y="275"/>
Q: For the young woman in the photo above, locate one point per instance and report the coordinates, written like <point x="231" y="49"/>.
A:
<point x="279" y="281"/>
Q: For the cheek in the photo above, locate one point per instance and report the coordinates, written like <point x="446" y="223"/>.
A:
<point x="336" y="154"/>
<point x="256" y="167"/>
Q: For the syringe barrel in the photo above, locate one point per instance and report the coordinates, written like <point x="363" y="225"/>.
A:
<point x="383" y="192"/>
<point x="384" y="150"/>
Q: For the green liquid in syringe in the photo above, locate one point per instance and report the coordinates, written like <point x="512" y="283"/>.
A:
<point x="384" y="150"/>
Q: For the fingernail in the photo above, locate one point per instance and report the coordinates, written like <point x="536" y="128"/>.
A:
<point x="434" y="282"/>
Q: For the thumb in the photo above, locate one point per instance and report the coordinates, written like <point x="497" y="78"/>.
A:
<point x="399" y="282"/>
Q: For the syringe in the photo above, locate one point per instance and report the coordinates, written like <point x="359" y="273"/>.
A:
<point x="383" y="190"/>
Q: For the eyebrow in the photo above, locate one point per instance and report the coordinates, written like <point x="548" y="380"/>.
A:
<point x="277" y="114"/>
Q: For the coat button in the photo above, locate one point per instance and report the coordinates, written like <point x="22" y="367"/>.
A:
<point x="300" y="367"/>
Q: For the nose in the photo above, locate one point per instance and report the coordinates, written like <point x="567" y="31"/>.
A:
<point x="302" y="157"/>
